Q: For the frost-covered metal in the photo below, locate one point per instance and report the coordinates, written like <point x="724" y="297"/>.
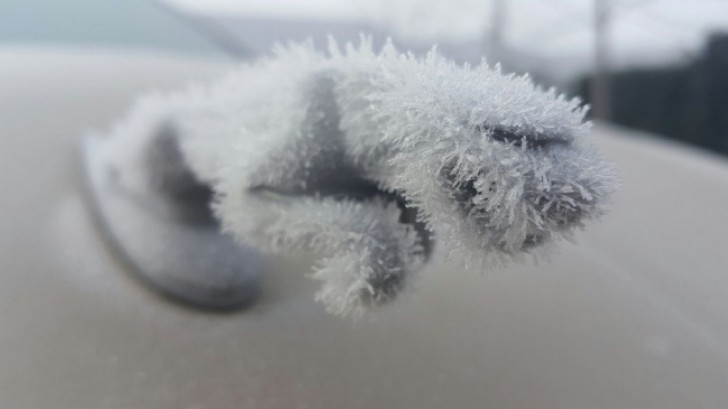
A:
<point x="340" y="152"/>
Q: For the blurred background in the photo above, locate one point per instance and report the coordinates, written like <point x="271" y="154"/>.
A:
<point x="654" y="65"/>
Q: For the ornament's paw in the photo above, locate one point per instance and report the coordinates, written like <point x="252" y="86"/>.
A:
<point x="372" y="260"/>
<point x="355" y="280"/>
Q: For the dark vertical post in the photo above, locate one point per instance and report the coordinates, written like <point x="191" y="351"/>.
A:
<point x="497" y="22"/>
<point x="600" y="79"/>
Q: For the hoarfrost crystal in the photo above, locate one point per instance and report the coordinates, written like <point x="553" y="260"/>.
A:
<point x="366" y="157"/>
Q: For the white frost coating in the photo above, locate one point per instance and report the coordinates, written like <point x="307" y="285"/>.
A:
<point x="306" y="150"/>
<point x="366" y="253"/>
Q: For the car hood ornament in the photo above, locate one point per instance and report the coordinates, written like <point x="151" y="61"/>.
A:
<point x="376" y="161"/>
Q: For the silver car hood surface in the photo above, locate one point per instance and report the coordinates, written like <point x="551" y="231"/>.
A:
<point x="634" y="315"/>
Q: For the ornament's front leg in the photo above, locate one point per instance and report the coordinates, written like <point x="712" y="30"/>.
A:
<point x="370" y="254"/>
<point x="368" y="242"/>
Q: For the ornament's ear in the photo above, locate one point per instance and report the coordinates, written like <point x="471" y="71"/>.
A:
<point x="518" y="137"/>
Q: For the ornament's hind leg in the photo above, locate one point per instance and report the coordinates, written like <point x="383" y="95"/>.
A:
<point x="154" y="214"/>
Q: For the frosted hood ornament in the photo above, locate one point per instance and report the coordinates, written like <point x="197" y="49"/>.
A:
<point x="368" y="158"/>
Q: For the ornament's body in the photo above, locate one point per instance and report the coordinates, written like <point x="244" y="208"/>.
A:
<point x="367" y="158"/>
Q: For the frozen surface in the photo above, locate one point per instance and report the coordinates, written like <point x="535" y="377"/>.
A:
<point x="634" y="316"/>
<point x="307" y="151"/>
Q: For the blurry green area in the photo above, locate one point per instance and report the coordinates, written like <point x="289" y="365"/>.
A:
<point x="98" y="23"/>
<point x="688" y="103"/>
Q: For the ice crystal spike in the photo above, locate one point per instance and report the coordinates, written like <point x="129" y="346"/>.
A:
<point x="359" y="155"/>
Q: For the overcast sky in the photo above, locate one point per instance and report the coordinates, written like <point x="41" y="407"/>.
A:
<point x="554" y="30"/>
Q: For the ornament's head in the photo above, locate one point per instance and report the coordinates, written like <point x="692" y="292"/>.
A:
<point x="494" y="164"/>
